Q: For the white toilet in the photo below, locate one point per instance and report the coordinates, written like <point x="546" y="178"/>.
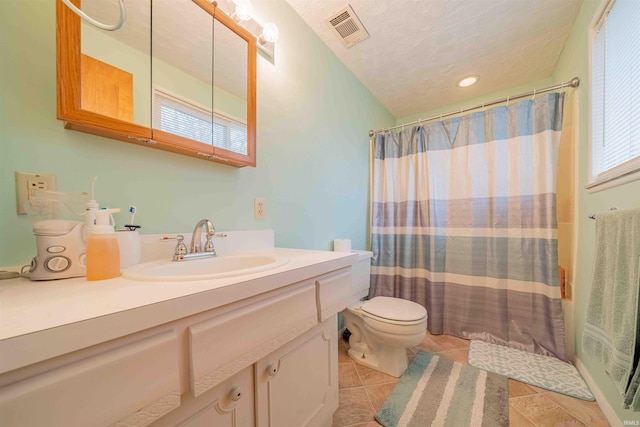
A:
<point x="383" y="327"/>
<point x="381" y="330"/>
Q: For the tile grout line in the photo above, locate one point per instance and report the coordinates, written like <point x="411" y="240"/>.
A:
<point x="550" y="400"/>
<point x="523" y="415"/>
<point x="361" y="382"/>
<point x="365" y="391"/>
<point x="569" y="412"/>
<point x="364" y="386"/>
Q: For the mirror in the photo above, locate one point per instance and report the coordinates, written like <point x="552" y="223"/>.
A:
<point x="180" y="76"/>
<point x="229" y="90"/>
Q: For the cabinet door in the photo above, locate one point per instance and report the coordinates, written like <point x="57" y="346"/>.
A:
<point x="230" y="404"/>
<point x="297" y="385"/>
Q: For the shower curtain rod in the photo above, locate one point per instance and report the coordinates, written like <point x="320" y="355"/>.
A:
<point x="574" y="82"/>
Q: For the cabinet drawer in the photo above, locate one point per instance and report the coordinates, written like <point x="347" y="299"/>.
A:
<point x="132" y="385"/>
<point x="228" y="343"/>
<point x="334" y="292"/>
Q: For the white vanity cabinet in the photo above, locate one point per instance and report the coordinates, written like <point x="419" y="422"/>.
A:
<point x="269" y="359"/>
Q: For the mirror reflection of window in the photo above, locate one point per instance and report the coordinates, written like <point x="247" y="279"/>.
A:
<point x="180" y="116"/>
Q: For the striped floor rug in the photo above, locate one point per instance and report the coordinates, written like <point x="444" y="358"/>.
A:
<point x="435" y="391"/>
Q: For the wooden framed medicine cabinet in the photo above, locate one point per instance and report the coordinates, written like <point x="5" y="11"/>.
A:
<point x="141" y="87"/>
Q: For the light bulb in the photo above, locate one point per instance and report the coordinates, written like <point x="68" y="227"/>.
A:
<point x="243" y="10"/>
<point x="270" y="33"/>
<point x="467" y="81"/>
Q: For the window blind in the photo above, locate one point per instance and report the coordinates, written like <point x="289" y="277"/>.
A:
<point x="181" y="117"/>
<point x="616" y="90"/>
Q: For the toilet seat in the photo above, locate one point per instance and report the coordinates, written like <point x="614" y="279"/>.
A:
<point x="394" y="311"/>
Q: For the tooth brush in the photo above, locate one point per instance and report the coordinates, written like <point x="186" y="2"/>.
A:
<point x="130" y="226"/>
<point x="132" y="211"/>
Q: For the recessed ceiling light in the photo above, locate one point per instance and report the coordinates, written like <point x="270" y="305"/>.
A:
<point x="467" y="81"/>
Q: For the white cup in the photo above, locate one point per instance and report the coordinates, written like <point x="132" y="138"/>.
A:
<point x="129" y="242"/>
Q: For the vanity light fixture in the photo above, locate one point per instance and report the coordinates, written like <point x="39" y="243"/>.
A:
<point x="241" y="12"/>
<point x="467" y="81"/>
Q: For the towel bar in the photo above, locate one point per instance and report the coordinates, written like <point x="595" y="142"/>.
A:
<point x="593" y="216"/>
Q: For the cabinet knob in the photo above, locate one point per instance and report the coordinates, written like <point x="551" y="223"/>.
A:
<point x="236" y="393"/>
<point x="272" y="369"/>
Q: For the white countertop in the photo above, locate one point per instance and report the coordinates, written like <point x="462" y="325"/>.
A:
<point x="94" y="312"/>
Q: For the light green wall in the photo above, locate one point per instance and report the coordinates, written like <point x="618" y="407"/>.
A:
<point x="574" y="61"/>
<point x="313" y="118"/>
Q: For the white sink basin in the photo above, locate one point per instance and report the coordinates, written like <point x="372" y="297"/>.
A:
<point x="204" y="269"/>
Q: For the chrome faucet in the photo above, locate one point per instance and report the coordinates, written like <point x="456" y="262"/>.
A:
<point x="196" y="239"/>
<point x="197" y="250"/>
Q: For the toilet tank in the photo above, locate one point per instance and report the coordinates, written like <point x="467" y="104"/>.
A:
<point x="361" y="276"/>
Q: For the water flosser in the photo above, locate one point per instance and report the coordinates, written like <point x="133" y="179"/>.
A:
<point x="92" y="207"/>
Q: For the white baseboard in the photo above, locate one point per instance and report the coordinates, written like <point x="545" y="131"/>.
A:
<point x="608" y="411"/>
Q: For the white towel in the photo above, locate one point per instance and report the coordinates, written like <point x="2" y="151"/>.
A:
<point x="632" y="396"/>
<point x="610" y="333"/>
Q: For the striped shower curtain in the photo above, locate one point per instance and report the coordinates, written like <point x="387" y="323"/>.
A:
<point x="464" y="223"/>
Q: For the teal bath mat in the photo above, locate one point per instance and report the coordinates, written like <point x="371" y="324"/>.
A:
<point x="438" y="391"/>
<point x="541" y="371"/>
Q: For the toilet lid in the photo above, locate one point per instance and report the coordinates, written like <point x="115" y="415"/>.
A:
<point x="394" y="309"/>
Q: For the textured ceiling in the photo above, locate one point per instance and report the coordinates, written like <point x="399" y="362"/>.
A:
<point x="418" y="49"/>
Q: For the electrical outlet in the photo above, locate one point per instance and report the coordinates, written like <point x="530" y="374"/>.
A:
<point x="259" y="208"/>
<point x="28" y="183"/>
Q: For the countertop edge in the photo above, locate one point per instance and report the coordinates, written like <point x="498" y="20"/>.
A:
<point x="26" y="349"/>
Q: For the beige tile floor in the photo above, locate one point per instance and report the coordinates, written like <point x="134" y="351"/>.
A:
<point x="363" y="390"/>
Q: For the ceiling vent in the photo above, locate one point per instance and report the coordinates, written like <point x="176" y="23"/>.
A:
<point x="347" y="27"/>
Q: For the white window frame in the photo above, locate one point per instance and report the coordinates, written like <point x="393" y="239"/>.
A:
<point x="625" y="172"/>
<point x="196" y="107"/>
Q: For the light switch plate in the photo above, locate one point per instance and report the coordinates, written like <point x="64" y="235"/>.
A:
<point x="27" y="183"/>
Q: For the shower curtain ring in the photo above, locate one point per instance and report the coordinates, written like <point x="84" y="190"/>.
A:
<point x="534" y="95"/>
<point x="508" y="97"/>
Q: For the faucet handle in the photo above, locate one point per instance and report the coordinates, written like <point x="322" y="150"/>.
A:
<point x="181" y="248"/>
<point x="208" y="245"/>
